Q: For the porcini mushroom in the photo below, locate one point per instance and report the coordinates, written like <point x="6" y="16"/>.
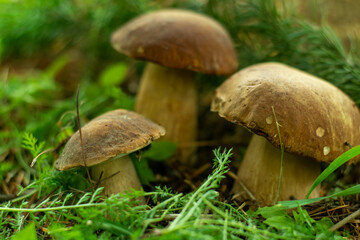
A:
<point x="108" y="140"/>
<point x="178" y="43"/>
<point x="316" y="119"/>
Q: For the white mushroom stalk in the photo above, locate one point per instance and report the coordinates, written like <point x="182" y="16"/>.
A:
<point x="116" y="175"/>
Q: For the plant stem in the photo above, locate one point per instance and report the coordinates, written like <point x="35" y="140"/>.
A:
<point x="282" y="157"/>
<point x="33" y="210"/>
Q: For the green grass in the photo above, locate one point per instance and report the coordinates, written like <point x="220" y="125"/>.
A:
<point x="197" y="215"/>
<point x="35" y="118"/>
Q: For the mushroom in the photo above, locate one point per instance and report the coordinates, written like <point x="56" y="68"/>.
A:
<point x="108" y="140"/>
<point x="316" y="121"/>
<point x="178" y="43"/>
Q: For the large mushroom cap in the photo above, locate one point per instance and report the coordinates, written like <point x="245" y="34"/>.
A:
<point x="178" y="39"/>
<point x="117" y="132"/>
<point x="316" y="119"/>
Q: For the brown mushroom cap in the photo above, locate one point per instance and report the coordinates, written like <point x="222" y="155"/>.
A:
<point x="315" y="117"/>
<point x="114" y="133"/>
<point x="178" y="39"/>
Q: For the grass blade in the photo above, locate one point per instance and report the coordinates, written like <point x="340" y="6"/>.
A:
<point x="295" y="203"/>
<point x="353" y="152"/>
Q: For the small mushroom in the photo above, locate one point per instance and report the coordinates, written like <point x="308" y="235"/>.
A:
<point x="315" y="119"/>
<point x="178" y="43"/>
<point x="108" y="140"/>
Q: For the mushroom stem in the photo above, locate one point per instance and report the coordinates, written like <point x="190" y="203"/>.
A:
<point x="168" y="97"/>
<point x="260" y="171"/>
<point x="118" y="176"/>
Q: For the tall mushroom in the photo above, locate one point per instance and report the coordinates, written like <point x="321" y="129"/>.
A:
<point x="108" y="140"/>
<point x="316" y="121"/>
<point x="177" y="42"/>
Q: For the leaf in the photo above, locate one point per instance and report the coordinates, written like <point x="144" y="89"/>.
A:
<point x="65" y="133"/>
<point x="28" y="233"/>
<point x="113" y="75"/>
<point x="346" y="156"/>
<point x="29" y="142"/>
<point x="325" y="223"/>
<point x="302" y="217"/>
<point x="272" y="211"/>
<point x="57" y="65"/>
<point x="122" y="100"/>
<point x="115" y="228"/>
<point x="280" y="222"/>
<point x="160" y="150"/>
<point x="276" y="216"/>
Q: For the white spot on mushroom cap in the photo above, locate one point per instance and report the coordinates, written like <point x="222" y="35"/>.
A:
<point x="320" y="132"/>
<point x="326" y="150"/>
<point x="126" y="117"/>
<point x="269" y="120"/>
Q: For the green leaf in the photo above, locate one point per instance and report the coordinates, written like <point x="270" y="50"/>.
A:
<point x="302" y="217"/>
<point x="272" y="211"/>
<point x="27" y="233"/>
<point x="325" y="223"/>
<point x="30" y="143"/>
<point x="346" y="156"/>
<point x="115" y="228"/>
<point x="276" y="216"/>
<point x="57" y="65"/>
<point x="280" y="222"/>
<point x="160" y="151"/>
<point x="113" y="75"/>
<point x="122" y="100"/>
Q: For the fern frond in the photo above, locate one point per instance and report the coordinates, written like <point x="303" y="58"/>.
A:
<point x="30" y="143"/>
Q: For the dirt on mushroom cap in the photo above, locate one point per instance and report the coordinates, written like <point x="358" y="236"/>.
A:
<point x="316" y="119"/>
<point x="111" y="134"/>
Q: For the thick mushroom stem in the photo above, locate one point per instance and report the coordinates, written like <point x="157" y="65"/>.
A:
<point x="259" y="171"/>
<point x="118" y="176"/>
<point x="168" y="97"/>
